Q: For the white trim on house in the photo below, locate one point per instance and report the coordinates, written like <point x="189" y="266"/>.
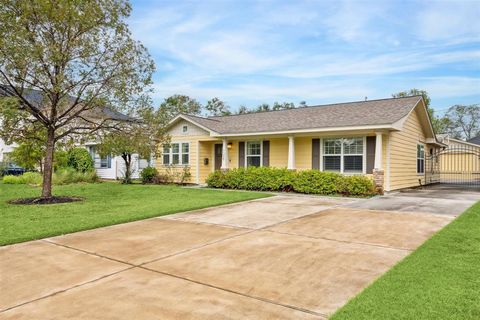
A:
<point x="388" y="160"/>
<point x="246" y="152"/>
<point x="180" y="153"/>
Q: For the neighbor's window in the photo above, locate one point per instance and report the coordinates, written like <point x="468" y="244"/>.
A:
<point x="420" y="158"/>
<point x="176" y="153"/>
<point x="254" y="154"/>
<point x="106" y="162"/>
<point x="350" y="150"/>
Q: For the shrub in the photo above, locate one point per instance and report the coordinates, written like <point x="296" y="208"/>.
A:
<point x="149" y="175"/>
<point x="318" y="182"/>
<point x="172" y="174"/>
<point x="356" y="186"/>
<point x="307" y="181"/>
<point x="70" y="175"/>
<point x="80" y="160"/>
<point x="34" y="178"/>
<point x="12" y="179"/>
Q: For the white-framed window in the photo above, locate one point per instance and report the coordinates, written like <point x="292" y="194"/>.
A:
<point x="420" y="158"/>
<point x="106" y="162"/>
<point x="177" y="153"/>
<point x="185" y="129"/>
<point x="253" y="154"/>
<point x="344" y="155"/>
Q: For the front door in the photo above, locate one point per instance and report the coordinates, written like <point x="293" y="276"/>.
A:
<point x="218" y="156"/>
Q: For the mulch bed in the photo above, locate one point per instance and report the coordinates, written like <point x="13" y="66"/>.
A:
<point x="50" y="200"/>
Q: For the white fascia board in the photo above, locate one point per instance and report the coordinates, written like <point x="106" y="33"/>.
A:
<point x="319" y="130"/>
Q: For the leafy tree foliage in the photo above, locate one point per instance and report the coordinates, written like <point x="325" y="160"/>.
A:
<point x="177" y="103"/>
<point x="216" y="107"/>
<point x="141" y="137"/>
<point x="463" y="122"/>
<point x="70" y="66"/>
<point x="28" y="155"/>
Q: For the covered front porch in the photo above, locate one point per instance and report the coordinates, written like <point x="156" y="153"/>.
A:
<point x="345" y="152"/>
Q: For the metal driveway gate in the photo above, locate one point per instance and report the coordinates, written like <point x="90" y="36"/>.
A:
<point x="456" y="164"/>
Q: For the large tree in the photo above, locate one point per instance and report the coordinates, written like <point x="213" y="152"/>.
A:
<point x="71" y="67"/>
<point x="217" y="107"/>
<point x="177" y="103"/>
<point x="463" y="121"/>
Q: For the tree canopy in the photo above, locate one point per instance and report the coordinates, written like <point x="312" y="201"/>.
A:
<point x="69" y="67"/>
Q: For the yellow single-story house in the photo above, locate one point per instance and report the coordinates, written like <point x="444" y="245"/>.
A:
<point x="388" y="138"/>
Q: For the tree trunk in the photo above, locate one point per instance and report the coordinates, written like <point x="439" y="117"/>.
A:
<point x="48" y="165"/>
<point x="127" y="157"/>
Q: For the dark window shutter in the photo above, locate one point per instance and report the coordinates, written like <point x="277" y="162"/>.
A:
<point x="371" y="142"/>
<point x="266" y="153"/>
<point x="241" y="154"/>
<point x="316" y="154"/>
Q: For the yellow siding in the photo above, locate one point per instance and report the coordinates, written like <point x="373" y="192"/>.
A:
<point x="279" y="152"/>
<point x="403" y="154"/>
<point x="303" y="153"/>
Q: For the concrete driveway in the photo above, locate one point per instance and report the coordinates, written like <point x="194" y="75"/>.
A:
<point x="285" y="257"/>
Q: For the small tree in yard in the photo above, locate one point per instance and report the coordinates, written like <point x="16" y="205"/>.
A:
<point x="141" y="137"/>
<point x="67" y="69"/>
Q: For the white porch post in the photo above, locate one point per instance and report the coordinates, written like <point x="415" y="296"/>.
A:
<point x="224" y="154"/>
<point x="378" y="151"/>
<point x="291" y="153"/>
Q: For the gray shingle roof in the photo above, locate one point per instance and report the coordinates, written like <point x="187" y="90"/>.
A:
<point x="360" y="113"/>
<point x="36" y="98"/>
<point x="475" y="140"/>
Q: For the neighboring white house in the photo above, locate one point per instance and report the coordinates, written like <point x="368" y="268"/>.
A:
<point x="5" y="149"/>
<point x="114" y="167"/>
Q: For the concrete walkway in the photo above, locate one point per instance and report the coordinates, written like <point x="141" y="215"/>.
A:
<point x="285" y="257"/>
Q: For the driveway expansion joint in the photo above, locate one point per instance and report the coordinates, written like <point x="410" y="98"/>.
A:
<point x="319" y="314"/>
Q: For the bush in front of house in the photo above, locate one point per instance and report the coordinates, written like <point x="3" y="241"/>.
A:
<point x="149" y="175"/>
<point x="305" y="181"/>
<point x="80" y="160"/>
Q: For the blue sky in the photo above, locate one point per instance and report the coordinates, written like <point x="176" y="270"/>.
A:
<point x="250" y="52"/>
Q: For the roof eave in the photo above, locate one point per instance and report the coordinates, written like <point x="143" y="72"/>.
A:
<point x="310" y="130"/>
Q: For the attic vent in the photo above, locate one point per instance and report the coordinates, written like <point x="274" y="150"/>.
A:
<point x="185" y="129"/>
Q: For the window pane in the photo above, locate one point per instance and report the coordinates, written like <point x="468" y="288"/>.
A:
<point x="166" y="149"/>
<point x="184" y="147"/>
<point x="185" y="158"/>
<point x="253" y="148"/>
<point x="175" y="159"/>
<point x="420" y="166"/>
<point x="353" y="146"/>
<point x="332" y="146"/>
<point x="253" y="161"/>
<point x="331" y="163"/>
<point x="166" y="158"/>
<point x="353" y="164"/>
<point x="175" y="148"/>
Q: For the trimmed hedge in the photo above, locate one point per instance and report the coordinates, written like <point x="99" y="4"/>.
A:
<point x="305" y="181"/>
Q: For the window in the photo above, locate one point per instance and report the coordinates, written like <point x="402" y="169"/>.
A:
<point x="420" y="158"/>
<point x="254" y="154"/>
<point x="185" y="129"/>
<point x="176" y="154"/>
<point x="106" y="163"/>
<point x="343" y="155"/>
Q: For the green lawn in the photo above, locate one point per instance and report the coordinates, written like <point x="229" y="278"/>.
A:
<point x="106" y="203"/>
<point x="440" y="280"/>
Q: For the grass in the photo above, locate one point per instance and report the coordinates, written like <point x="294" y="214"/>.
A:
<point x="440" y="280"/>
<point x="105" y="204"/>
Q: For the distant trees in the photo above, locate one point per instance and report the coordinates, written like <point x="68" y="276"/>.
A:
<point x="460" y="121"/>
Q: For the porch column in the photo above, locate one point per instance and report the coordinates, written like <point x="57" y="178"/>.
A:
<point x="378" y="151"/>
<point x="378" y="173"/>
<point x="224" y="154"/>
<point x="291" y="153"/>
